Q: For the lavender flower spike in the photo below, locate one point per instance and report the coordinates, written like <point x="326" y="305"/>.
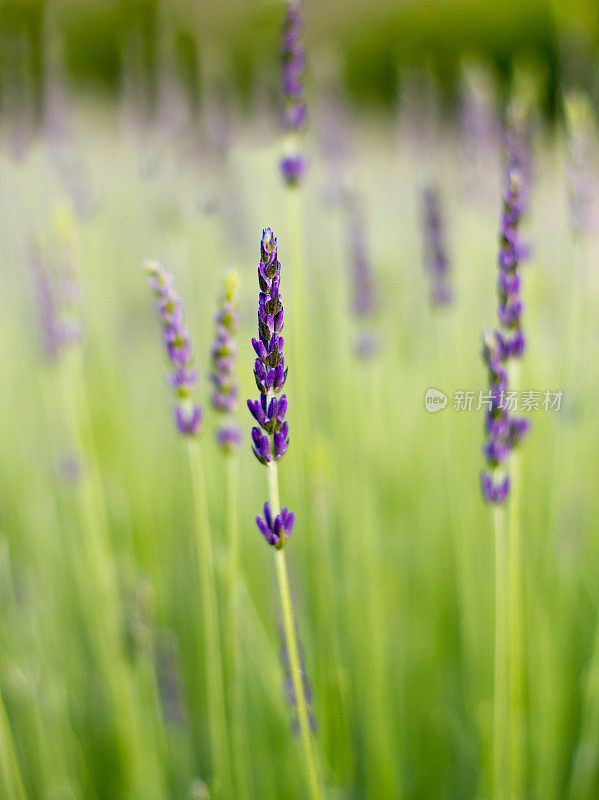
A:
<point x="436" y="262"/>
<point x="293" y="58"/>
<point x="504" y="433"/>
<point x="225" y="394"/>
<point x="511" y="251"/>
<point x="270" y="437"/>
<point x="54" y="265"/>
<point x="497" y="424"/>
<point x="188" y="416"/>
<point x="364" y="295"/>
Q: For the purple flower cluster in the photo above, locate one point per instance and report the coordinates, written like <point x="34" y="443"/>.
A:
<point x="511" y="253"/>
<point x="436" y="262"/>
<point x="497" y="423"/>
<point x="57" y="294"/>
<point x="504" y="432"/>
<point x="275" y="529"/>
<point x="293" y="62"/>
<point x="270" y="437"/>
<point x="364" y="298"/>
<point x="188" y="416"/>
<point x="224" y="351"/>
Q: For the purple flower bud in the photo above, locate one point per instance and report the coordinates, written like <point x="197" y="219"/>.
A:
<point x="293" y="168"/>
<point x="188" y="422"/>
<point x="275" y="530"/>
<point x="229" y="438"/>
<point x="494" y="492"/>
<point x="519" y="428"/>
<point x="261" y="446"/>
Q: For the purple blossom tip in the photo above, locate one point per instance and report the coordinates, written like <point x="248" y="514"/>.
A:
<point x="276" y="530"/>
<point x="229" y="438"/>
<point x="519" y="429"/>
<point x="293" y="168"/>
<point x="494" y="492"/>
<point x="188" y="422"/>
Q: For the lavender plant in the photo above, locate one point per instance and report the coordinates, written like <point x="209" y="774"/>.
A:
<point x="293" y="164"/>
<point x="224" y="351"/>
<point x="364" y="299"/>
<point x="188" y="415"/>
<point x="436" y="262"/>
<point x="508" y="343"/>
<point x="54" y="267"/>
<point x="270" y="439"/>
<point x="229" y="437"/>
<point x="504" y="434"/>
<point x="188" y="418"/>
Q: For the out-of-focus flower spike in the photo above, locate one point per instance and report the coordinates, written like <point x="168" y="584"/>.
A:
<point x="187" y="414"/>
<point x="293" y="58"/>
<point x="224" y="352"/>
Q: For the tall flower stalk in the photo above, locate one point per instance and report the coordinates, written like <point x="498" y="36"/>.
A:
<point x="188" y="419"/>
<point x="55" y="261"/>
<point x="224" y="400"/>
<point x="293" y="164"/>
<point x="293" y="167"/>
<point x="504" y="432"/>
<point x="269" y="443"/>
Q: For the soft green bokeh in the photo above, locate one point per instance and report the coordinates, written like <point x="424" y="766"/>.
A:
<point x="392" y="554"/>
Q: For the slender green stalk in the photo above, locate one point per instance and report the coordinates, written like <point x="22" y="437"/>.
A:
<point x="292" y="648"/>
<point x="238" y="716"/>
<point x="501" y="694"/>
<point x="585" y="762"/>
<point x="217" y="718"/>
<point x="11" y="780"/>
<point x="517" y="721"/>
<point x="98" y="589"/>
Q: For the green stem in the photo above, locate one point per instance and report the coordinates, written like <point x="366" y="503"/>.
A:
<point x="10" y="772"/>
<point x="101" y="607"/>
<point x="239" y="737"/>
<point x="292" y="648"/>
<point x="585" y="761"/>
<point x="217" y="719"/>
<point x="501" y="698"/>
<point x="517" y="723"/>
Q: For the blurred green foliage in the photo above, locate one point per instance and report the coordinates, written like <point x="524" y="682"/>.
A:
<point x="373" y="37"/>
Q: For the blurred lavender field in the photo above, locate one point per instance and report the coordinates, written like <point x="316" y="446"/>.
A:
<point x="120" y="630"/>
